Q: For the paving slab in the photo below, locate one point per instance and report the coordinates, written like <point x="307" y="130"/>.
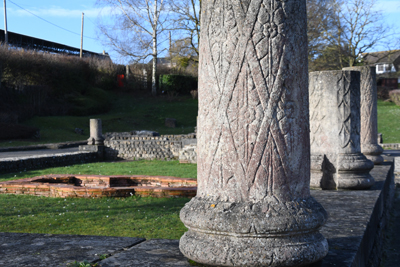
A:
<point x="152" y="253"/>
<point x="41" y="250"/>
<point x="36" y="153"/>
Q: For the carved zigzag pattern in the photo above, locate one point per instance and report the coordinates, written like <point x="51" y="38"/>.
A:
<point x="252" y="76"/>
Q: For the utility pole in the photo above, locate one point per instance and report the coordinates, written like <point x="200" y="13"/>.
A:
<point x="170" y="54"/>
<point x="5" y="23"/>
<point x="80" y="55"/>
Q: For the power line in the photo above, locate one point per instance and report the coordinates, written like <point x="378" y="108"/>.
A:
<point x="49" y="21"/>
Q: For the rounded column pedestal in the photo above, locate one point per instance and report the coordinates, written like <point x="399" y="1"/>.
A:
<point x="266" y="233"/>
<point x="353" y="172"/>
<point x="253" y="205"/>
<point x="373" y="152"/>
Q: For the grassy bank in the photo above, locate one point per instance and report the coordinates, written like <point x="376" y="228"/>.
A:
<point x="388" y="121"/>
<point x="127" y="113"/>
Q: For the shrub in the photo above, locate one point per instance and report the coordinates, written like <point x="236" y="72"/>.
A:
<point x="383" y="92"/>
<point x="178" y="83"/>
<point x="395" y="96"/>
<point x="37" y="83"/>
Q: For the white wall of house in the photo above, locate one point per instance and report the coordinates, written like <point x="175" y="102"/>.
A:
<point x="384" y="68"/>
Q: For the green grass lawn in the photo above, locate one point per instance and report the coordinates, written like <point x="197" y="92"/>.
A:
<point x="127" y="113"/>
<point x="389" y="121"/>
<point x="134" y="216"/>
<point x="142" y="167"/>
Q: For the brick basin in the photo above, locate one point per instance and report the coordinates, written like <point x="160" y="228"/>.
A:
<point x="61" y="185"/>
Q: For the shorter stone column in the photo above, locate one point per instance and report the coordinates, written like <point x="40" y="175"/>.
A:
<point x="369" y="114"/>
<point x="336" y="158"/>
<point x="96" y="136"/>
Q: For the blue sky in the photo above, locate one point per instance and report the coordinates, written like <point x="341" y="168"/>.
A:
<point x="67" y="14"/>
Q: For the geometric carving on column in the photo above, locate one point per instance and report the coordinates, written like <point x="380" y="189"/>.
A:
<point x="253" y="205"/>
<point x="369" y="114"/>
<point x="336" y="158"/>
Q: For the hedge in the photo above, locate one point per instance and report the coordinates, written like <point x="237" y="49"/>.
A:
<point x="178" y="83"/>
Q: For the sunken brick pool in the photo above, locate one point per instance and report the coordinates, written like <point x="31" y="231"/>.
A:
<point x="59" y="185"/>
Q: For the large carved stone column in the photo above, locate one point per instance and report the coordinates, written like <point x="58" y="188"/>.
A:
<point x="336" y="159"/>
<point x="369" y="114"/>
<point x="253" y="205"/>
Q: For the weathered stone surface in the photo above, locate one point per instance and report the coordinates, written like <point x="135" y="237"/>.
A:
<point x="128" y="145"/>
<point x="155" y="252"/>
<point x="188" y="154"/>
<point x="96" y="137"/>
<point x="369" y="114"/>
<point x="253" y="206"/>
<point x="336" y="158"/>
<point x="41" y="250"/>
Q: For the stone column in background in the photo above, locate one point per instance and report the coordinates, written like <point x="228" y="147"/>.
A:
<point x="336" y="158"/>
<point x="96" y="136"/>
<point x="253" y="205"/>
<point x="369" y="114"/>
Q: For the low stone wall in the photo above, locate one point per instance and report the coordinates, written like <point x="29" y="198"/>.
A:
<point x="133" y="147"/>
<point x="8" y="165"/>
<point x="188" y="154"/>
<point x="390" y="146"/>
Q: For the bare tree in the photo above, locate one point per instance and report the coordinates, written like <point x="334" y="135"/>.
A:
<point x="187" y="22"/>
<point x="135" y="28"/>
<point x="321" y="23"/>
<point x="358" y="28"/>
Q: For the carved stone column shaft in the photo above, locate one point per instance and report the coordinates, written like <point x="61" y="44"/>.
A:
<point x="253" y="206"/>
<point x="336" y="159"/>
<point x="96" y="136"/>
<point x="369" y="114"/>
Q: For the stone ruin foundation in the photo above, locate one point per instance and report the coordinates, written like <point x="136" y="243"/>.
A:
<point x="369" y="114"/>
<point x="253" y="205"/>
<point x="336" y="158"/>
<point x="61" y="185"/>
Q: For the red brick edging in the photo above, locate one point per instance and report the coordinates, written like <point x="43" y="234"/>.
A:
<point x="60" y="185"/>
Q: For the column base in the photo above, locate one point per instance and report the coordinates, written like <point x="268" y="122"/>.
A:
<point x="372" y="152"/>
<point x="353" y="171"/>
<point x="223" y="250"/>
<point x="267" y="233"/>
